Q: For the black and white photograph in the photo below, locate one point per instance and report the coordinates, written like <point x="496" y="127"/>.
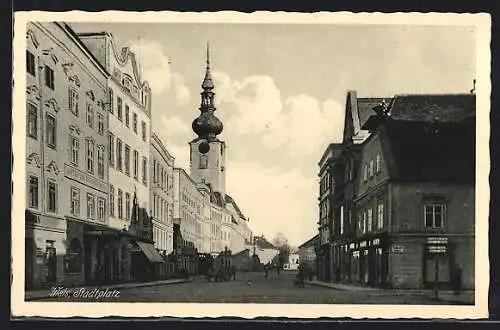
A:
<point x="279" y="164"/>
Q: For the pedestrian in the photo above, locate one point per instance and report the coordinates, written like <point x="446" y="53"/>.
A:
<point x="266" y="270"/>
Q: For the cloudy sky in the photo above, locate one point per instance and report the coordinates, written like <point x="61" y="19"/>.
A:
<point x="280" y="92"/>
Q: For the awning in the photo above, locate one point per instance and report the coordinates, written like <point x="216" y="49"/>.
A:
<point x="150" y="252"/>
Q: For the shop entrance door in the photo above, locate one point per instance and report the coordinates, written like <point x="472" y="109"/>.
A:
<point x="51" y="262"/>
<point x="443" y="269"/>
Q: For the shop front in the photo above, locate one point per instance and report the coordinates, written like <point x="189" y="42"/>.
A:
<point x="367" y="259"/>
<point x="438" y="263"/>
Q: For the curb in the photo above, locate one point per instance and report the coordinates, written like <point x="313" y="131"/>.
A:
<point x="114" y="287"/>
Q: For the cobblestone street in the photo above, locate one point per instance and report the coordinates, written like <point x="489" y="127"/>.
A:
<point x="255" y="288"/>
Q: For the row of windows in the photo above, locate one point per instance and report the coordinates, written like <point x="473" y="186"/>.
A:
<point x="368" y="169"/>
<point x="119" y="205"/>
<point x="160" y="238"/>
<point x="325" y="183"/>
<point x="47" y="70"/>
<point x="95" y="210"/>
<point x="161" y="177"/>
<point x="92" y="206"/>
<point x="50" y="126"/>
<point x="90" y="150"/>
<point x="191" y="202"/>
<point x="90" y="114"/>
<point x="161" y="210"/>
<point x="123" y="165"/>
<point x="367" y="221"/>
<point x="128" y="116"/>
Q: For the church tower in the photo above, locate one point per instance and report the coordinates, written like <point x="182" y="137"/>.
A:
<point x="208" y="157"/>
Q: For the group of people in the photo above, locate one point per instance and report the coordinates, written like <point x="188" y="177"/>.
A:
<point x="222" y="273"/>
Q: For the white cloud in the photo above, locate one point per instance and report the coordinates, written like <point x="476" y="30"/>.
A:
<point x="173" y="126"/>
<point x="276" y="201"/>
<point x="155" y="67"/>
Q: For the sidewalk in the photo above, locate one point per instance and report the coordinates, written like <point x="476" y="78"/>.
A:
<point x="42" y="294"/>
<point x="465" y="297"/>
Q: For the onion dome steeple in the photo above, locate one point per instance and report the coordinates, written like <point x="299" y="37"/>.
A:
<point x="207" y="125"/>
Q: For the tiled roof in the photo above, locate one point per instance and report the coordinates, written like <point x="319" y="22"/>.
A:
<point x="439" y="152"/>
<point x="365" y="108"/>
<point x="216" y="198"/>
<point x="230" y="200"/>
<point x="427" y="108"/>
<point x="310" y="242"/>
<point x="263" y="243"/>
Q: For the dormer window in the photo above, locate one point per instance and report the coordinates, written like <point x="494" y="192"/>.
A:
<point x="127" y="83"/>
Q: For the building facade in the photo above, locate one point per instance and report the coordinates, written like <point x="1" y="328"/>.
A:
<point x="66" y="168"/>
<point x="412" y="217"/>
<point x="307" y="253"/>
<point x="162" y="195"/>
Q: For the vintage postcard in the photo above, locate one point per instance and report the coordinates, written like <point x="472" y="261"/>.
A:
<point x="266" y="164"/>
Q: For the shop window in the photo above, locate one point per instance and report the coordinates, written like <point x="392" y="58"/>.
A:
<point x="74" y="257"/>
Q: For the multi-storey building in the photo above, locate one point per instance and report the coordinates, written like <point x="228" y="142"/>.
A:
<point x="129" y="127"/>
<point x="162" y="195"/>
<point x="412" y="214"/>
<point x="66" y="165"/>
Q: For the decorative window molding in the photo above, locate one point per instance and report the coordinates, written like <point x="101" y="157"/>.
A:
<point x="74" y="79"/>
<point x="52" y="167"/>
<point x="101" y="104"/>
<point x="91" y="139"/>
<point x="52" y="103"/>
<point x="90" y="94"/>
<point x="67" y="67"/>
<point x="34" y="158"/>
<point x="31" y="35"/>
<point x="101" y="147"/>
<point x="50" y="52"/>
<point x="74" y="129"/>
<point x="33" y="90"/>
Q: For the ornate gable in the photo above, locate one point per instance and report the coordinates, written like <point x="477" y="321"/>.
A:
<point x="52" y="168"/>
<point x="30" y="35"/>
<point x="52" y="103"/>
<point x="74" y="129"/>
<point x="34" y="158"/>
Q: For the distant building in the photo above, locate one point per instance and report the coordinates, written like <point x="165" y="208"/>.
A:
<point x="307" y="253"/>
<point x="292" y="262"/>
<point x="263" y="249"/>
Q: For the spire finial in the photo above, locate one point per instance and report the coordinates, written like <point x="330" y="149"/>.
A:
<point x="208" y="54"/>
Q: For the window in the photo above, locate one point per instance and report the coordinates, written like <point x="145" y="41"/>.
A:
<point x="378" y="164"/>
<point x="380" y="214"/>
<point x="74" y="257"/>
<point x="120" y="110"/>
<point x="75" y="201"/>
<point x="143" y="131"/>
<point x="32" y="121"/>
<point x="135" y="123"/>
<point x="51" y="196"/>
<point x="90" y="115"/>
<point x="111" y="147"/>
<point x="100" y="162"/>
<point x="127" y="159"/>
<point x="90" y="156"/>
<point x="127" y="206"/>
<point x="111" y="101"/>
<point x="120" y="204"/>
<point x="341" y="220"/>
<point x="370" y="168"/>
<point x="75" y="147"/>
<point x="154" y="170"/>
<point x="119" y="155"/>
<point x="30" y="63"/>
<point x="370" y="219"/>
<point x="111" y="200"/>
<point x="33" y="192"/>
<point x="365" y="172"/>
<point x="49" y="77"/>
<point x="90" y="206"/>
<point x="100" y="123"/>
<point x="73" y="101"/>
<point x="364" y="221"/>
<point x="136" y="164"/>
<point x="203" y="162"/>
<point x="127" y="115"/>
<point x="101" y="209"/>
<point x="434" y="215"/>
<point x="144" y="170"/>
<point x="51" y="131"/>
